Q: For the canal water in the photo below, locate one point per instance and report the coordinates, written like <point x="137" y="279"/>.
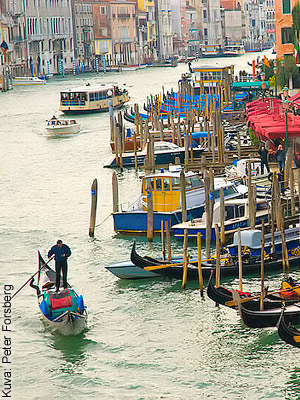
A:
<point x="146" y="339"/>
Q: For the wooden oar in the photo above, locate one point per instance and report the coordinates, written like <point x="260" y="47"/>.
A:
<point x="32" y="276"/>
<point x="233" y="303"/>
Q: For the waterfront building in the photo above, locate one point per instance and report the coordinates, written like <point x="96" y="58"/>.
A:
<point x="49" y="35"/>
<point x="283" y="27"/>
<point x="179" y="27"/>
<point x="193" y="33"/>
<point x="270" y="20"/>
<point x="83" y="31"/>
<point x="255" y="15"/>
<point x="13" y="33"/>
<point x="124" y="33"/>
<point x="164" y="29"/>
<point x="208" y="22"/>
<point x="103" y="44"/>
<point x="148" y="6"/>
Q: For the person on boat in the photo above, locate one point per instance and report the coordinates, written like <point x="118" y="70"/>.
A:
<point x="264" y="155"/>
<point x="280" y="157"/>
<point x="61" y="252"/>
<point x="53" y="117"/>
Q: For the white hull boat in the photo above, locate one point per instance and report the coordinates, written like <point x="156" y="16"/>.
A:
<point x="62" y="126"/>
<point x="28" y="80"/>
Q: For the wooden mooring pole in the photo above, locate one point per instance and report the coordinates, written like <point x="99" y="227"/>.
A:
<point x="94" y="195"/>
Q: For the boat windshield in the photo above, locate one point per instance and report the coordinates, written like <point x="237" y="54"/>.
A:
<point x="191" y="182"/>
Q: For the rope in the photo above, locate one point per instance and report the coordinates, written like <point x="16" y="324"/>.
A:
<point x="103" y="220"/>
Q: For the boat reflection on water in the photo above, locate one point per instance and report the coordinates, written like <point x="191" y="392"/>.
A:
<point x="73" y="350"/>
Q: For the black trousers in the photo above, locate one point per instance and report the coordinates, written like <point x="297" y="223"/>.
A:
<point x="262" y="163"/>
<point x="61" y="266"/>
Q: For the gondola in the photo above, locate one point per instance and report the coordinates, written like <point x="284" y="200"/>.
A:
<point x="223" y="296"/>
<point x="63" y="311"/>
<point x="287" y="332"/>
<point x="267" y="318"/>
<point x="252" y="266"/>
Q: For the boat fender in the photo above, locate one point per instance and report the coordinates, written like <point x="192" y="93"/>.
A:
<point x="80" y="303"/>
<point x="44" y="308"/>
<point x="270" y="176"/>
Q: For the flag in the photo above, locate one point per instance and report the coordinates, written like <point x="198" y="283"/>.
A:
<point x="266" y="62"/>
<point x="4" y="46"/>
<point x="296" y="45"/>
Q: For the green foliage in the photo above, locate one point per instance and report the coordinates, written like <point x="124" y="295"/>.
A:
<point x="296" y="18"/>
<point x="253" y="138"/>
<point x="290" y="70"/>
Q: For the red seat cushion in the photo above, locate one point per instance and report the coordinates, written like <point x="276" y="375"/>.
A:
<point x="60" y="300"/>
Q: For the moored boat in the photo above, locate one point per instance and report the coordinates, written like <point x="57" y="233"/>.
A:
<point x="62" y="126"/>
<point x="173" y="268"/>
<point x="288" y="332"/>
<point x="64" y="311"/>
<point x="166" y="196"/>
<point x="266" y="318"/>
<point x="165" y="153"/>
<point x="288" y="293"/>
<point x="28" y="80"/>
<point x="251" y="241"/>
<point x="236" y="216"/>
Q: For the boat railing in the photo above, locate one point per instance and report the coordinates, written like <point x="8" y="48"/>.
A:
<point x="136" y="205"/>
<point x="72" y="103"/>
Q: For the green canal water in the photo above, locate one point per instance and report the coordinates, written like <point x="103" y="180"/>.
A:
<point x="146" y="339"/>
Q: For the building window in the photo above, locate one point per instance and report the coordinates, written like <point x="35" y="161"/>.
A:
<point x="102" y="10"/>
<point x="286" y="35"/>
<point x="286" y="6"/>
<point x="204" y="14"/>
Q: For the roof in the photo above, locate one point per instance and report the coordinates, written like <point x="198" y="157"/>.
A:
<point x="88" y="88"/>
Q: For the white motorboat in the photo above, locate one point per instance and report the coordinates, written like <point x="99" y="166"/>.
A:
<point x="240" y="170"/>
<point x="236" y="216"/>
<point x="62" y="126"/>
<point x="28" y="80"/>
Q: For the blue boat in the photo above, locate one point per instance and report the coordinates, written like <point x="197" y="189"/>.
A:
<point x="165" y="153"/>
<point x="252" y="239"/>
<point x="236" y="216"/>
<point x="167" y="201"/>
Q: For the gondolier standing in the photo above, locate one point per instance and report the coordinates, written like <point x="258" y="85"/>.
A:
<point x="61" y="252"/>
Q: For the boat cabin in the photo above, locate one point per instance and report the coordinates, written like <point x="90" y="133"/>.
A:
<point x="165" y="188"/>
<point x="210" y="76"/>
<point x="237" y="209"/>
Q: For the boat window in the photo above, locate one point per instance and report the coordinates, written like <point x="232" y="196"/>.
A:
<point x="166" y="184"/>
<point x="158" y="182"/>
<point x="175" y="183"/>
<point x="217" y="194"/>
<point x="229" y="212"/>
<point x="261" y="206"/>
<point x="92" y="97"/>
<point x="240" y="210"/>
<point x="151" y="181"/>
<point x="97" y="96"/>
<point x="195" y="182"/>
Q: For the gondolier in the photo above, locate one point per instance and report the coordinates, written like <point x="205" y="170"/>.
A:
<point x="61" y="252"/>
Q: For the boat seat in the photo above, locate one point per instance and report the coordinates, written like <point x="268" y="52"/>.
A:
<point x="48" y="285"/>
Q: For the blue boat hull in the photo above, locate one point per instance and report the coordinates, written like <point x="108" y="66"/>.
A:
<point x="137" y="221"/>
<point x="160" y="159"/>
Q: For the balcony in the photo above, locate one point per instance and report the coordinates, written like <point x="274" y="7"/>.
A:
<point x="123" y="16"/>
<point x="18" y="39"/>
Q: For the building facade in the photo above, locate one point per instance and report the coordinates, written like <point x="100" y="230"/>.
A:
<point x="283" y="27"/>
<point x="49" y="33"/>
